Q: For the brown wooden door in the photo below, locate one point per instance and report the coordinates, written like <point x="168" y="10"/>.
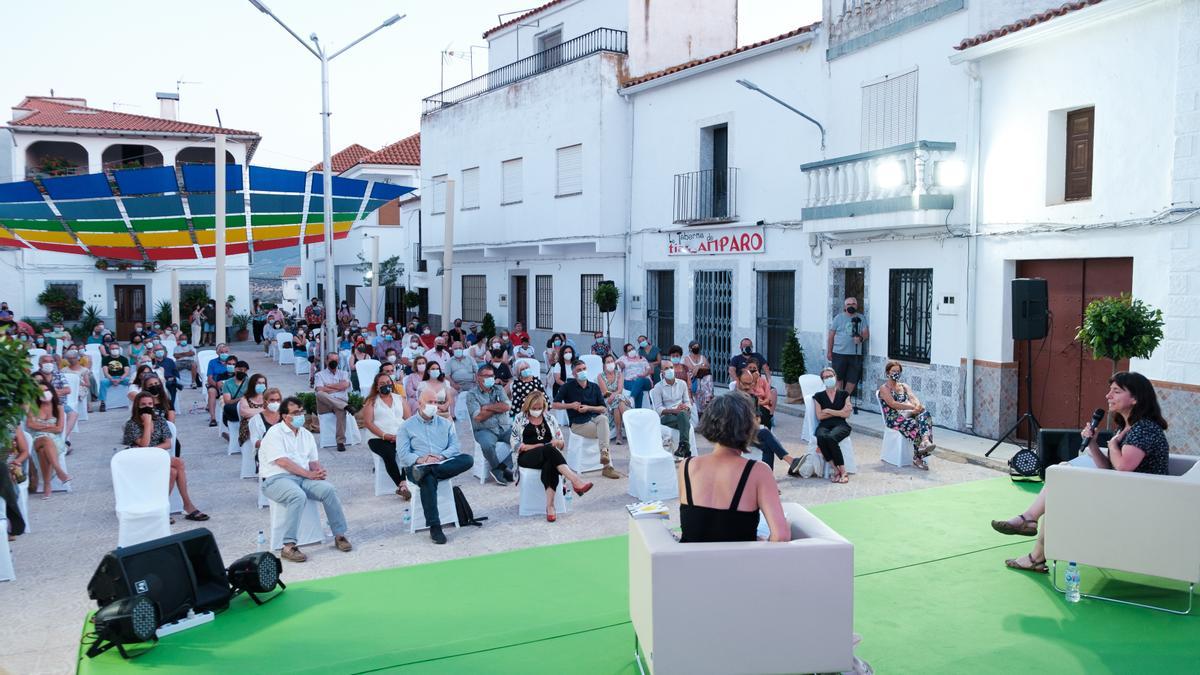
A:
<point x="520" y="300"/>
<point x="1068" y="384"/>
<point x="131" y="308"/>
<point x="1081" y="126"/>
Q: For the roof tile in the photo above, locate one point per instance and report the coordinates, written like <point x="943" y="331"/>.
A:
<point x="524" y="16"/>
<point x="44" y="112"/>
<point x="345" y="158"/>
<point x="695" y="62"/>
<point x="406" y="151"/>
<point x="1027" y="22"/>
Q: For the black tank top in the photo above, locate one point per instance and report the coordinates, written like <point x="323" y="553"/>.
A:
<point x="706" y="524"/>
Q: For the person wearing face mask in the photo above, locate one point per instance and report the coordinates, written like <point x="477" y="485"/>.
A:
<point x="488" y="407"/>
<point x="344" y="315"/>
<point x="45" y="422"/>
<point x="651" y="353"/>
<point x="412" y="381"/>
<point x="833" y="409"/>
<point x="435" y="381"/>
<point x="460" y="368"/>
<point x="97" y="335"/>
<point x="701" y="376"/>
<point x="412" y="350"/>
<point x="750" y="381"/>
<point x="314" y="313"/>
<point x="269" y="416"/>
<point x="114" y="373"/>
<point x="251" y="404"/>
<point x="848" y="336"/>
<point x="457" y="334"/>
<point x="539" y="444"/>
<point x="523" y="350"/>
<point x="565" y="370"/>
<point x="745" y="357"/>
<point x="270" y="328"/>
<point x="48" y="367"/>
<point x="290" y="467"/>
<point x="167" y="369"/>
<point x="600" y="346"/>
<point x="147" y="428"/>
<point x="427" y="448"/>
<point x="137" y="347"/>
<point x="233" y="390"/>
<point x="671" y="400"/>
<point x="612" y="386"/>
<point x="384" y="410"/>
<point x="505" y="343"/>
<point x="427" y="337"/>
<point x="478" y="351"/>
<point x="332" y="386"/>
<point x="472" y="335"/>
<point x="56" y="334"/>
<point x="675" y="358"/>
<point x="518" y="334"/>
<point x="438" y="354"/>
<point x="219" y="370"/>
<point x="77" y="364"/>
<point x="184" y="356"/>
<point x="905" y="413"/>
<point x="138" y="331"/>
<point x="586" y="411"/>
<point x="636" y="370"/>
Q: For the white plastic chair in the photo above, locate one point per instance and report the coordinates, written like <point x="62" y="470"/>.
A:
<point x="532" y="499"/>
<point x="583" y="454"/>
<point x="118" y="397"/>
<point x="94" y="357"/>
<point x="34" y="355"/>
<point x="7" y="573"/>
<point x="810" y="384"/>
<point x="139" y="475"/>
<point x="174" y="499"/>
<point x="383" y="482"/>
<point x="480" y="469"/>
<point x="810" y="437"/>
<point x="897" y="451"/>
<point x="310" y="531"/>
<point x="231" y="430"/>
<point x="248" y="453"/>
<point x="286" y="355"/>
<point x="651" y="469"/>
<point x="445" y="501"/>
<point x="328" y="424"/>
<point x="302" y="367"/>
<point x="203" y="357"/>
<point x="366" y="369"/>
<point x="23" y="505"/>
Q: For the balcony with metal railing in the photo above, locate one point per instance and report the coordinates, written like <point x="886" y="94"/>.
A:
<point x="599" y="40"/>
<point x="706" y="197"/>
<point x="912" y="177"/>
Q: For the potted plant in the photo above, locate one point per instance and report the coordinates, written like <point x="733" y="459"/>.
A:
<point x="101" y="264"/>
<point x="241" y="326"/>
<point x="487" y="328"/>
<point x="55" y="299"/>
<point x="311" y="422"/>
<point x="87" y="321"/>
<point x="412" y="300"/>
<point x="792" y="366"/>
<point x="1120" y="328"/>
<point x="606" y="296"/>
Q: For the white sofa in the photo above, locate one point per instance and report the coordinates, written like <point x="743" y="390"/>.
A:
<point x="1132" y="522"/>
<point x="701" y="608"/>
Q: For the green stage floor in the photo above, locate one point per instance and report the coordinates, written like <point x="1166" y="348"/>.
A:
<point x="931" y="596"/>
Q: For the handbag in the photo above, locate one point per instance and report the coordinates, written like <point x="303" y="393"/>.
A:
<point x="812" y="465"/>
<point x="463" y="509"/>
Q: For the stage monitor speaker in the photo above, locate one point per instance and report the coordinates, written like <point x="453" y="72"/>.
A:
<point x="1055" y="446"/>
<point x="1030" y="307"/>
<point x="180" y="572"/>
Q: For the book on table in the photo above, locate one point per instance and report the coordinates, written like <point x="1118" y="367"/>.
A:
<point x="654" y="509"/>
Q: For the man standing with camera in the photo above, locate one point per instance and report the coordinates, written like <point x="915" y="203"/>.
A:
<point x="847" y="336"/>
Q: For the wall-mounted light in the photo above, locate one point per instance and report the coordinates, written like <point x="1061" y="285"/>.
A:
<point x="889" y="175"/>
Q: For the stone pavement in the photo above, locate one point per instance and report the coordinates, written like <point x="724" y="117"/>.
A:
<point x="41" y="613"/>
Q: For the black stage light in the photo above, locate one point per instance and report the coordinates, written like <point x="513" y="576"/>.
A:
<point x="256" y="573"/>
<point x="130" y="620"/>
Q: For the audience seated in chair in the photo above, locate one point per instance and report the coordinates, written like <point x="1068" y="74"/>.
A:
<point x="488" y="407"/>
<point x="673" y="404"/>
<point x="905" y="413"/>
<point x="291" y="467"/>
<point x="586" y="412"/>
<point x="114" y="372"/>
<point x="332" y="386"/>
<point x="427" y="447"/>
<point x="45" y="423"/>
<point x="538" y="442"/>
<point x="384" y="410"/>
<point x="219" y="370"/>
<point x="147" y="428"/>
<point x="832" y="410"/>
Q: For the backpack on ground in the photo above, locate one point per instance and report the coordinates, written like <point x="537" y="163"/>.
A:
<point x="465" y="515"/>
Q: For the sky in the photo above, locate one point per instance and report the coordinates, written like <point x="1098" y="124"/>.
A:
<point x="229" y="56"/>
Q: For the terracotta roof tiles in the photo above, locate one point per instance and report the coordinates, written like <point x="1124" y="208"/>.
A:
<point x="59" y="113"/>
<point x="522" y="17"/>
<point x="1028" y="22"/>
<point x="291" y="272"/>
<point x="345" y="158"/>
<point x="695" y="62"/>
<point x="406" y="151"/>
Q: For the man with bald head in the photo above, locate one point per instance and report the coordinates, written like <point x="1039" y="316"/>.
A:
<point x="427" y="447"/>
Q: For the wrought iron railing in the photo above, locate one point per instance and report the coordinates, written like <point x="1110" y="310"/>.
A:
<point x="599" y="40"/>
<point x="708" y="196"/>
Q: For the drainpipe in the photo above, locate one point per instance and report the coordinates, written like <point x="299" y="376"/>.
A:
<point x="629" y="211"/>
<point x="975" y="141"/>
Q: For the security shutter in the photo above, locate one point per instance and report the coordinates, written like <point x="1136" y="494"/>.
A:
<point x="470" y="188"/>
<point x="510" y="179"/>
<point x="438" y="205"/>
<point x="570" y="170"/>
<point x="889" y="111"/>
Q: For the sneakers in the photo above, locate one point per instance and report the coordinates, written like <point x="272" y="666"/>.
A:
<point x="342" y="543"/>
<point x="508" y="474"/>
<point x="293" y="553"/>
<point x="341" y="447"/>
<point x="436" y="534"/>
<point x="609" y="472"/>
<point x="498" y="474"/>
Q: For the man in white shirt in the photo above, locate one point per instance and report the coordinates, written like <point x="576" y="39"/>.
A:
<point x="671" y="401"/>
<point x="292" y="474"/>
<point x="333" y="395"/>
<point x="439" y="353"/>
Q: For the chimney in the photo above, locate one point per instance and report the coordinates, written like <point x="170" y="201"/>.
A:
<point x="168" y="105"/>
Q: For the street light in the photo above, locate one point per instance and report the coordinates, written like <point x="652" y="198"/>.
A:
<point x="321" y="53"/>
<point x="754" y="87"/>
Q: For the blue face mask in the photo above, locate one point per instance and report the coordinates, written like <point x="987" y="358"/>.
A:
<point x="529" y="372"/>
<point x="297" y="421"/>
<point x="260" y="388"/>
<point x="676" y="359"/>
<point x="582" y="375"/>
<point x="643" y="344"/>
<point x="458" y="353"/>
<point x="489" y="382"/>
<point x="229" y="368"/>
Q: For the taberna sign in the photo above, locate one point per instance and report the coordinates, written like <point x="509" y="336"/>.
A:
<point x="717" y="241"/>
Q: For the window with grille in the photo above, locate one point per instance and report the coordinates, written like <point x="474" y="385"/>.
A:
<point x="69" y="288"/>
<point x="470" y="188"/>
<point x="590" y="318"/>
<point x="189" y="287"/>
<point x="438" y="205"/>
<point x="570" y="171"/>
<point x="776" y="314"/>
<point x="889" y="111"/>
<point x="910" y="314"/>
<point x="511" y="175"/>
<point x="544" y="298"/>
<point x="474" y="297"/>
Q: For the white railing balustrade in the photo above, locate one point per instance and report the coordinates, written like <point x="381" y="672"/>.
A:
<point x="901" y="171"/>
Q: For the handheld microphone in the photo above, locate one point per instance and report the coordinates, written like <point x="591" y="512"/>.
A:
<point x="1096" y="417"/>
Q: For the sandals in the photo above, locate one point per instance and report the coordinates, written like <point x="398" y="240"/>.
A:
<point x="1035" y="566"/>
<point x="1027" y="528"/>
<point x="196" y="515"/>
<point x="919" y="462"/>
<point x="843" y="478"/>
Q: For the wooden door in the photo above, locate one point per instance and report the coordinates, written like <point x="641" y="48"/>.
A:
<point x="1068" y="384"/>
<point x="130" y="309"/>
<point x="1081" y="126"/>
<point x="520" y="301"/>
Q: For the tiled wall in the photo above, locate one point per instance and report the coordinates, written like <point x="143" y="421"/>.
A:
<point x="995" y="397"/>
<point x="1179" y="404"/>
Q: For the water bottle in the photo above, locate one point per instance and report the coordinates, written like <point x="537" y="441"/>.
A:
<point x="261" y="541"/>
<point x="1072" y="579"/>
<point x="570" y="494"/>
<point x="407" y="517"/>
<point x="653" y="491"/>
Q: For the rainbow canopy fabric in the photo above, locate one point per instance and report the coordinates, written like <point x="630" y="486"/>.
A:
<point x="158" y="213"/>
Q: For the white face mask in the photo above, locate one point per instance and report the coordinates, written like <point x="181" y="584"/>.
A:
<point x="420" y="367"/>
<point x="429" y="410"/>
<point x="47" y="396"/>
<point x="830" y="382"/>
<point x="47" y="367"/>
<point x="610" y="367"/>
<point x="535" y="412"/>
<point x="669" y="375"/>
<point x="273" y="406"/>
<point x="392" y="358"/>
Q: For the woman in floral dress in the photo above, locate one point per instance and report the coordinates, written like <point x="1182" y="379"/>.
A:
<point x="905" y="413"/>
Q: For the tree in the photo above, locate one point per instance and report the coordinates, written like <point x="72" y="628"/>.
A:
<point x="17" y="388"/>
<point x="792" y="365"/>
<point x="488" y="328"/>
<point x="1119" y="328"/>
<point x="606" y="296"/>
<point x="390" y="270"/>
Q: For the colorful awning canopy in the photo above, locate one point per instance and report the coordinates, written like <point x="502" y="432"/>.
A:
<point x="158" y="213"/>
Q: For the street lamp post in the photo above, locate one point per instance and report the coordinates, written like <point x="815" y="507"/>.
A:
<point x="754" y="87"/>
<point x="330" y="332"/>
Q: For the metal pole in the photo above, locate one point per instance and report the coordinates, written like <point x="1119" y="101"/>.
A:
<point x="448" y="254"/>
<point x="327" y="199"/>
<point x="219" y="198"/>
<point x="374" y="279"/>
<point x="175" y="297"/>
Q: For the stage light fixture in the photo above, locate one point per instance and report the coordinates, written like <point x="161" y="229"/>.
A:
<point x="889" y="175"/>
<point x="256" y="573"/>
<point x="130" y="620"/>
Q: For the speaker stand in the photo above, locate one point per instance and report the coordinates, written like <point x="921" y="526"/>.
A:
<point x="1026" y="416"/>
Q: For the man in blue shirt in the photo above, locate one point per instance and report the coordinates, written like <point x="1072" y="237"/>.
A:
<point x="427" y="447"/>
<point x="160" y="359"/>
<point x="218" y="371"/>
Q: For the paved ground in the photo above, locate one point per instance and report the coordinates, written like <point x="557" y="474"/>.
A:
<point x="41" y="612"/>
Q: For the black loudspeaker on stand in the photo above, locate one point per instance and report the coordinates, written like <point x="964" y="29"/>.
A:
<point x="1030" y="321"/>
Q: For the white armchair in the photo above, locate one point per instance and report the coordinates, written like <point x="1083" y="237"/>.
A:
<point x="1132" y="522"/>
<point x="683" y="599"/>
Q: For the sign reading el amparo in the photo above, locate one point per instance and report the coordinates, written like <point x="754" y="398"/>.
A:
<point x="716" y="241"/>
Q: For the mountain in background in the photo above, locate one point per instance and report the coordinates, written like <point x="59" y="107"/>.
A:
<point x="266" y="272"/>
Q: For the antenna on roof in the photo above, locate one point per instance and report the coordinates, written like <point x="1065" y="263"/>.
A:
<point x="124" y="105"/>
<point x="179" y="85"/>
<point x="219" y="118"/>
